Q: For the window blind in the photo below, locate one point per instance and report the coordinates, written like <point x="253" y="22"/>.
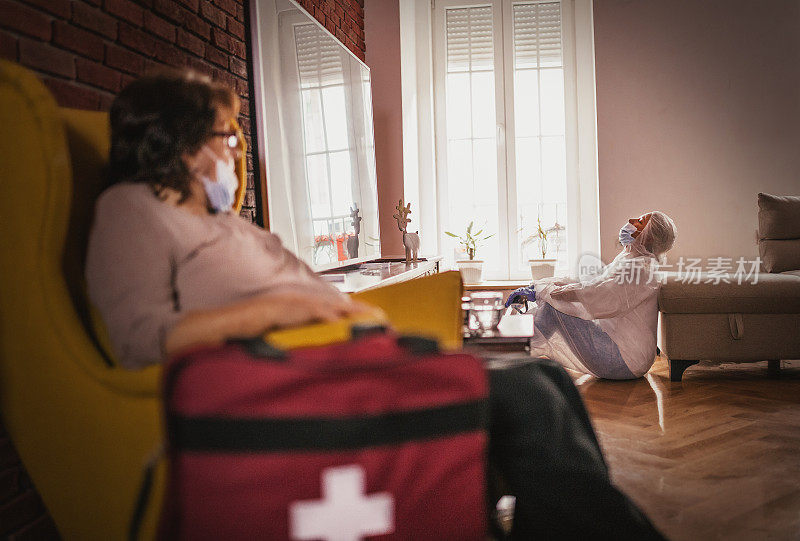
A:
<point x="537" y="35"/>
<point x="319" y="58"/>
<point x="469" y="39"/>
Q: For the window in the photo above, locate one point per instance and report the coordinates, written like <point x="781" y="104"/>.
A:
<point x="506" y="134"/>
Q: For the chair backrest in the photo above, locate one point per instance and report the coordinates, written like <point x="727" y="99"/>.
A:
<point x="42" y="247"/>
<point x="87" y="135"/>
<point x="81" y="428"/>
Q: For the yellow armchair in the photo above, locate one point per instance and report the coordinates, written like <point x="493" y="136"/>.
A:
<point x="83" y="427"/>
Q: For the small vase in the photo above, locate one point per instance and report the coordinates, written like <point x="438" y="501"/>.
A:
<point x="471" y="270"/>
<point x="542" y="268"/>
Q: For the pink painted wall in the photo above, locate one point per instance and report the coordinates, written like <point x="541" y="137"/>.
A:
<point x="698" y="106"/>
<point x="382" y="30"/>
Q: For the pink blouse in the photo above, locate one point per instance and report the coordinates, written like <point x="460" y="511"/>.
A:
<point x="149" y="262"/>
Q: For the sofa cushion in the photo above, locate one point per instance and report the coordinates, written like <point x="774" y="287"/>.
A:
<point x="778" y="217"/>
<point x="770" y="294"/>
<point x="779" y="255"/>
<point x="779" y="232"/>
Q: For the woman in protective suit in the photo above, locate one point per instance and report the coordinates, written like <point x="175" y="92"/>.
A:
<point x="606" y="326"/>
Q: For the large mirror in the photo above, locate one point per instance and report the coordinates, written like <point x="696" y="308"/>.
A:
<point x="314" y="114"/>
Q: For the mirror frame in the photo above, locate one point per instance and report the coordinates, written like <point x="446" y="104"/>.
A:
<point x="256" y="10"/>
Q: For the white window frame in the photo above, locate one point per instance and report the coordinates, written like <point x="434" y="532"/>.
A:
<point x="422" y="28"/>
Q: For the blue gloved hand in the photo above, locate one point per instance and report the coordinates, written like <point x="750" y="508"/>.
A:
<point x="523" y="295"/>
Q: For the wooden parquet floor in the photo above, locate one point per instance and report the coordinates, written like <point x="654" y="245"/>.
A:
<point x="716" y="456"/>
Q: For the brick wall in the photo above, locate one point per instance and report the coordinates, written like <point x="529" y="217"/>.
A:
<point x="343" y="18"/>
<point x="22" y="514"/>
<point x="86" y="50"/>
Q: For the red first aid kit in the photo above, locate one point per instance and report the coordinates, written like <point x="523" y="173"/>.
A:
<point x="381" y="437"/>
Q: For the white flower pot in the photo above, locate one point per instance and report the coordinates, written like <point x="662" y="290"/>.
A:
<point x="471" y="270"/>
<point x="542" y="268"/>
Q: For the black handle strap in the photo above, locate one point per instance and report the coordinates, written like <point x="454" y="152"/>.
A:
<point x="145" y="492"/>
<point x="258" y="347"/>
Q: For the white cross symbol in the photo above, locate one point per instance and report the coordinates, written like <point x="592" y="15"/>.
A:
<point x="343" y="513"/>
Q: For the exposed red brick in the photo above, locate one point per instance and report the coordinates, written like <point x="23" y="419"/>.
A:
<point x="41" y="528"/>
<point x="24" y="20"/>
<point x="238" y="67"/>
<point x="227" y="5"/>
<point x="240" y="13"/>
<point x="169" y="9"/>
<point x="19" y="511"/>
<point x="200" y="65"/>
<point x="249" y="200"/>
<point x="195" y="24"/>
<point x="69" y="94"/>
<point x="105" y="101"/>
<point x="158" y="26"/>
<point x="97" y="75"/>
<point x="244" y="123"/>
<point x="8" y="46"/>
<point x="124" y="60"/>
<point x="94" y="19"/>
<point x="125" y="9"/>
<point x="136" y="39"/>
<point x="125" y="80"/>
<point x="236" y="28"/>
<point x="217" y="56"/>
<point x="212" y="14"/>
<point x="191" y="43"/>
<point x="9" y="483"/>
<point x="42" y="56"/>
<point x="169" y="54"/>
<point x="82" y="42"/>
<point x="239" y="49"/>
<point x="242" y="88"/>
<point x="223" y="76"/>
<point x="191" y="4"/>
<point x="222" y="40"/>
<point x="59" y="8"/>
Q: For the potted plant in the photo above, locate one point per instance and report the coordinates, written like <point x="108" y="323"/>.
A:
<point x="471" y="269"/>
<point x="543" y="267"/>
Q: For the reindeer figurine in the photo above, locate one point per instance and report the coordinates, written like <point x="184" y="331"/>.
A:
<point x="352" y="242"/>
<point x="410" y="240"/>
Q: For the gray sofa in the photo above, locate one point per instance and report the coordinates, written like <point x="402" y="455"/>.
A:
<point x="758" y="319"/>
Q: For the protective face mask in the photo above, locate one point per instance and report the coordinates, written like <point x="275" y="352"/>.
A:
<point x="626" y="234"/>
<point x="221" y="193"/>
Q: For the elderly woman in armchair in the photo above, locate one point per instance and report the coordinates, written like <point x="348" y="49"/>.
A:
<point x="169" y="266"/>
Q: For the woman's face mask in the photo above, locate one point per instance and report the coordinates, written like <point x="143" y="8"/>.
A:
<point x="222" y="191"/>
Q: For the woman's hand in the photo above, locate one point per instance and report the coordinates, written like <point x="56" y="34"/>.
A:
<point x="257" y="315"/>
<point x="292" y="309"/>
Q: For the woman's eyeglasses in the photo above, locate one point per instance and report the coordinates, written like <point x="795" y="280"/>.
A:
<point x="231" y="138"/>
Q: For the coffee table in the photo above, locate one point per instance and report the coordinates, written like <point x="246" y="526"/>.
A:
<point x="513" y="334"/>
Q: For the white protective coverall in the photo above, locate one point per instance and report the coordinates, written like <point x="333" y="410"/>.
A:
<point x="622" y="302"/>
